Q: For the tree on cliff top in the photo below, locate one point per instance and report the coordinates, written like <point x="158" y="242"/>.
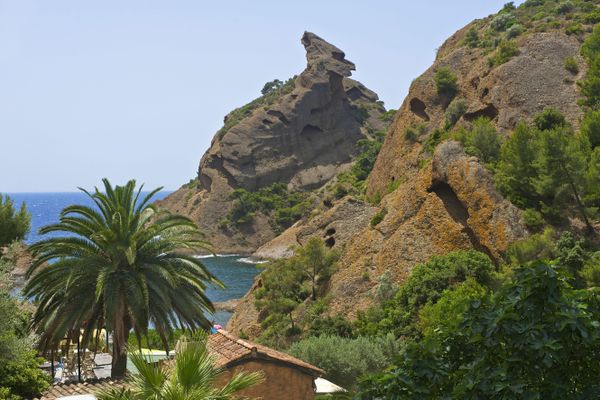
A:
<point x="13" y="225"/>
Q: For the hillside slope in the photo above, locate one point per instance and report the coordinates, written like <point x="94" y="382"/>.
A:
<point x="435" y="197"/>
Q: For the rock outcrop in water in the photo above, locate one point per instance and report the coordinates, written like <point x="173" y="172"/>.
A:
<point x="302" y="136"/>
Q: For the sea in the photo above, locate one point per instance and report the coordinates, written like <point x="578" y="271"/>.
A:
<point x="235" y="271"/>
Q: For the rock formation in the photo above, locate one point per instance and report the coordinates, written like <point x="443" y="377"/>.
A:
<point x="443" y="200"/>
<point x="302" y="137"/>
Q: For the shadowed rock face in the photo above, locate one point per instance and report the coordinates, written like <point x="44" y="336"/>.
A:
<point x="303" y="139"/>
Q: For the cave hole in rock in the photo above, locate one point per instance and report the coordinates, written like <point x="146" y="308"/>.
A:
<point x="330" y="231"/>
<point x="330" y="242"/>
<point x="418" y="108"/>
<point x="354" y="93"/>
<point x="279" y="115"/>
<point x="485" y="92"/>
<point x="267" y="121"/>
<point x="459" y="213"/>
<point x="489" y="112"/>
<point x="311" y="130"/>
<point x="327" y="203"/>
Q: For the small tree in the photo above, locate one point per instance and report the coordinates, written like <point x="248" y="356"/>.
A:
<point x="271" y="86"/>
<point x="446" y="82"/>
<point x="13" y="225"/>
<point x="317" y="262"/>
<point x="561" y="166"/>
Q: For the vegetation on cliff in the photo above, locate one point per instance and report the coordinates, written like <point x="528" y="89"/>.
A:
<point x="271" y="91"/>
<point x="288" y="283"/>
<point x="281" y="206"/>
<point x="20" y="373"/>
<point x="14" y="224"/>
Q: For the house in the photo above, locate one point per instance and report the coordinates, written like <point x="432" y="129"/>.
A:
<point x="286" y="377"/>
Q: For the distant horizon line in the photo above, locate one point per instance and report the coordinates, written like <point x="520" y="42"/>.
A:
<point x="73" y="191"/>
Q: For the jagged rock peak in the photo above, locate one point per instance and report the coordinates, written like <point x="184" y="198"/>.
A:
<point x="322" y="55"/>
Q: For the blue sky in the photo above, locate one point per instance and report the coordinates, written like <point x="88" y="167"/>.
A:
<point x="136" y="89"/>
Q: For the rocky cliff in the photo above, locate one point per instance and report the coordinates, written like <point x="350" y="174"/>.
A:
<point x="436" y="198"/>
<point x="300" y="134"/>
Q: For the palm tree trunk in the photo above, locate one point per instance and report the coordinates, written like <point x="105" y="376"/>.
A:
<point x="119" y="357"/>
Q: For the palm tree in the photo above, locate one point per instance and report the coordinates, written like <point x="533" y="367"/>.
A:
<point x="120" y="265"/>
<point x="193" y="376"/>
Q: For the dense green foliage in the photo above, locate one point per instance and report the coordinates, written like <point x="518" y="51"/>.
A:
<point x="290" y="282"/>
<point x="153" y="340"/>
<point x="193" y="376"/>
<point x="354" y="181"/>
<point x="346" y="359"/>
<point x="282" y="207"/>
<point x="536" y="338"/>
<point x="455" y="110"/>
<point x="20" y="373"/>
<point x="547" y="168"/>
<point x="482" y="140"/>
<point x="14" y="224"/>
<point x="120" y="266"/>
<point x="425" y="285"/>
<point x="446" y="82"/>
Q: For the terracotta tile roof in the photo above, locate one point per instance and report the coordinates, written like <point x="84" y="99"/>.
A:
<point x="230" y="349"/>
<point x="87" y="387"/>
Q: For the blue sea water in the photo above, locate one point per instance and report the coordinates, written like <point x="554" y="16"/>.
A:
<point x="234" y="271"/>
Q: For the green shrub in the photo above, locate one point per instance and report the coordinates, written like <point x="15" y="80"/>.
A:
<point x="14" y="224"/>
<point x="456" y="109"/>
<point x="388" y="116"/>
<point x="565" y="7"/>
<point x="592" y="17"/>
<point x="590" y="127"/>
<point x="485" y="140"/>
<point x="414" y="131"/>
<point x="436" y="137"/>
<point x="533" y="219"/>
<point x="446" y="82"/>
<point x="331" y="326"/>
<point x="446" y="314"/>
<point x="425" y="285"/>
<point x="482" y="140"/>
<point x="283" y="207"/>
<point x="514" y="31"/>
<point x="345" y="360"/>
<point x="506" y="50"/>
<point x="536" y="338"/>
<point x="539" y="246"/>
<point x="154" y="341"/>
<point x="572" y="65"/>
<point x="378" y="217"/>
<point x="472" y="38"/>
<point x="591" y="272"/>
<point x="574" y="29"/>
<point x="502" y="22"/>
<point x="549" y="119"/>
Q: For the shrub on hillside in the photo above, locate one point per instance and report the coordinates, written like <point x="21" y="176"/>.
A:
<point x="455" y="111"/>
<point x="344" y="360"/>
<point x="572" y="65"/>
<point x="446" y="82"/>
<point x="506" y="50"/>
